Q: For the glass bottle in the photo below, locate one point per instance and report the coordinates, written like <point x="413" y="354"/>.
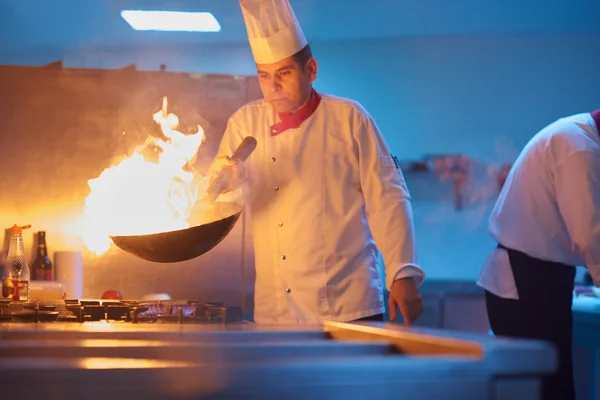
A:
<point x="41" y="269"/>
<point x="15" y="278"/>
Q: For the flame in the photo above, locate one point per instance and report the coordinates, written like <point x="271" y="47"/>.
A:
<point x="139" y="196"/>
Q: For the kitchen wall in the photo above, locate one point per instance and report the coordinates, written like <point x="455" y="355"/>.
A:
<point x="482" y="96"/>
<point x="478" y="95"/>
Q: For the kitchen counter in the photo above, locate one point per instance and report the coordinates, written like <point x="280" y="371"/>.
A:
<point x="334" y="360"/>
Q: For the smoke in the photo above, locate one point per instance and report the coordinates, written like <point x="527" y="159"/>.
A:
<point x="233" y="201"/>
<point x="446" y="182"/>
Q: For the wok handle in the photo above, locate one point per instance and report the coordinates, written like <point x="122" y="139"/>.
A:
<point x="244" y="149"/>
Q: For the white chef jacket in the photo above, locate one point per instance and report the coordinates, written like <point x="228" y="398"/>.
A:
<point x="549" y="206"/>
<point x="325" y="199"/>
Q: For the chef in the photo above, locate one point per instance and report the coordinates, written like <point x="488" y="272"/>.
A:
<point x="326" y="195"/>
<point x="546" y="221"/>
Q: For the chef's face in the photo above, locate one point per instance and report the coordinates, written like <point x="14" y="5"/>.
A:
<point x="287" y="84"/>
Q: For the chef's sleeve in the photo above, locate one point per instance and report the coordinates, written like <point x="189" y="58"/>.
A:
<point x="231" y="138"/>
<point x="388" y="208"/>
<point x="577" y="181"/>
<point x="229" y="143"/>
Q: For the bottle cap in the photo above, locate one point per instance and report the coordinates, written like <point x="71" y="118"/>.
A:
<point x="19" y="229"/>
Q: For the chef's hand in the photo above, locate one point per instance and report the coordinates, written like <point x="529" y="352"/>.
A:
<point x="226" y="174"/>
<point x="405" y="295"/>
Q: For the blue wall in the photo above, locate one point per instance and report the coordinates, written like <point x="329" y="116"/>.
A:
<point x="483" y="96"/>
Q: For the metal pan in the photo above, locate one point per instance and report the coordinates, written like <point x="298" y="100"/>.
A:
<point x="185" y="244"/>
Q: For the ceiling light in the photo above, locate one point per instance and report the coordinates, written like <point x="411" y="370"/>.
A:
<point x="171" y="21"/>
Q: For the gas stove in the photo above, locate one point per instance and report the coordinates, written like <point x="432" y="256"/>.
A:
<point x="120" y="311"/>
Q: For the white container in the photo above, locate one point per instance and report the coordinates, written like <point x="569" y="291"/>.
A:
<point x="68" y="269"/>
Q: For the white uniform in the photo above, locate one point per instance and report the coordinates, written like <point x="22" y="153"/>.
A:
<point x="549" y="207"/>
<point x="322" y="197"/>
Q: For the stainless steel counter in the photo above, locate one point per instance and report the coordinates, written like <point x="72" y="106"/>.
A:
<point x="345" y="361"/>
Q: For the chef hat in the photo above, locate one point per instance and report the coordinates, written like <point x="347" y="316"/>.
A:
<point x="273" y="30"/>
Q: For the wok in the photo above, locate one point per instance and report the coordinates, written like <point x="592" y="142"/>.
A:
<point x="189" y="243"/>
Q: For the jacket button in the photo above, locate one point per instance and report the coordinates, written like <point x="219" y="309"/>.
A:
<point x="288" y="290"/>
<point x="283" y="257"/>
<point x="276" y="188"/>
<point x="273" y="159"/>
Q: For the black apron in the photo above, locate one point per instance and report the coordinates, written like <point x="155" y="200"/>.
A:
<point x="542" y="312"/>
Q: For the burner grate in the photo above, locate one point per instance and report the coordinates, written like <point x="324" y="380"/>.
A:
<point x="160" y="311"/>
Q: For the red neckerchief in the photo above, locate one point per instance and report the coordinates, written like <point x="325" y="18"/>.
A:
<point x="295" y="119"/>
<point x="596" y="116"/>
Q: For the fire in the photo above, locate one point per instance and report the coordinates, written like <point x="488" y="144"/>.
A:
<point x="140" y="196"/>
